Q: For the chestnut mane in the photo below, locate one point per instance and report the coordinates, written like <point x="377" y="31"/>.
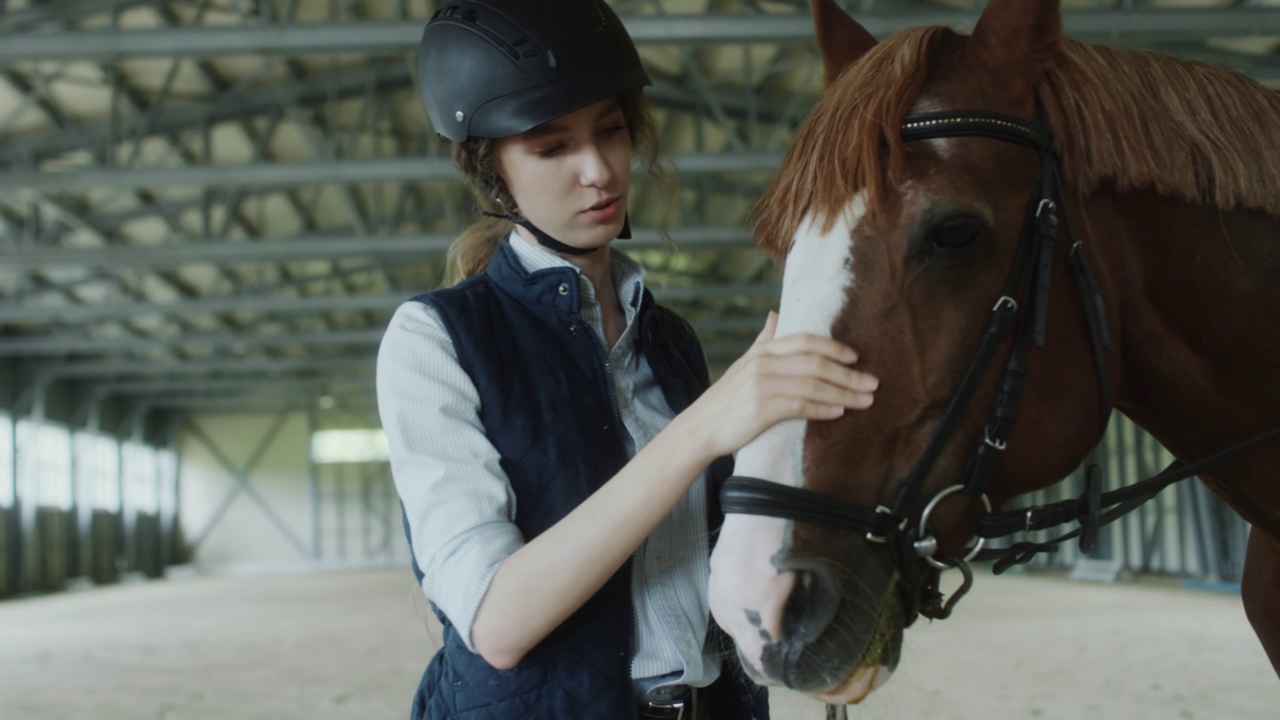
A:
<point x="1133" y="119"/>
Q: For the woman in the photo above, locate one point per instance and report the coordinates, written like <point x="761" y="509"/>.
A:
<point x="553" y="437"/>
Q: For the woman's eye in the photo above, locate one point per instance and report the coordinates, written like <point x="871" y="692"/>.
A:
<point x="956" y="234"/>
<point x="613" y="130"/>
<point x="551" y="150"/>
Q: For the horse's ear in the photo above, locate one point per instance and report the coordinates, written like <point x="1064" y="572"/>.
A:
<point x="1014" y="39"/>
<point x="840" y="38"/>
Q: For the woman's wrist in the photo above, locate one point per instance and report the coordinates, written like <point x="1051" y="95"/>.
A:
<point x="696" y="433"/>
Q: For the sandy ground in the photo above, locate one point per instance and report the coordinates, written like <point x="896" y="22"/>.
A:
<point x="352" y="644"/>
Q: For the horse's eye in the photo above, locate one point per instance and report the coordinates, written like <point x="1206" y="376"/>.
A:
<point x="956" y="234"/>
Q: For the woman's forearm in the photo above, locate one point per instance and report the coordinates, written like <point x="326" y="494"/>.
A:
<point x="544" y="582"/>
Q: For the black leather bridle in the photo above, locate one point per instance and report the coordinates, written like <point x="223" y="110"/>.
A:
<point x="902" y="529"/>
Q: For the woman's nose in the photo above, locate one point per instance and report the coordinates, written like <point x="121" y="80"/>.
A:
<point x="595" y="168"/>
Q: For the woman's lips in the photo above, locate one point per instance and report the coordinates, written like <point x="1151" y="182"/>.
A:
<point x="605" y="211"/>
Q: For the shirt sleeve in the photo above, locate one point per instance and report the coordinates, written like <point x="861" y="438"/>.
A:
<point x="458" y="501"/>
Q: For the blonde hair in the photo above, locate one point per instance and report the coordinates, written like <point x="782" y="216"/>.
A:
<point x="477" y="159"/>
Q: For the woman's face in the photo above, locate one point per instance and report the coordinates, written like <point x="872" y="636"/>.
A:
<point x="570" y="176"/>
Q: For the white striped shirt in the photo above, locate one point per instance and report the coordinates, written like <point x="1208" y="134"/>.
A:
<point x="461" y="507"/>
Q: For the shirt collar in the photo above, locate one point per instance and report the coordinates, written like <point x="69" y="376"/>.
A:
<point x="628" y="275"/>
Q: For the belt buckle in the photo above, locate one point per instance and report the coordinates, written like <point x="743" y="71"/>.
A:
<point x="670" y="701"/>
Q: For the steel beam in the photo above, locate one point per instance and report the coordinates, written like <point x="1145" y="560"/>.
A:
<point x="221" y="367"/>
<point x="292" y="305"/>
<point x="232" y="343"/>
<point x="286" y="249"/>
<point x="67" y="344"/>
<point x="303" y="94"/>
<point x="216" y="110"/>
<point x="389" y="37"/>
<point x="254" y="403"/>
<point x="14" y="20"/>
<point x="226" y="369"/>
<point x="267" y="175"/>
<point x="361" y="378"/>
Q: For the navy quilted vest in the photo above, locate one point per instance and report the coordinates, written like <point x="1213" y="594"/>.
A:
<point x="547" y="404"/>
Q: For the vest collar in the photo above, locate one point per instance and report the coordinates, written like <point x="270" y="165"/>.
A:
<point x="555" y="287"/>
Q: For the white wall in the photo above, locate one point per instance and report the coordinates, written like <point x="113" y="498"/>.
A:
<point x="245" y="535"/>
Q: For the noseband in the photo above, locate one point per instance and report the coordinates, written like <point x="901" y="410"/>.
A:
<point x="899" y="526"/>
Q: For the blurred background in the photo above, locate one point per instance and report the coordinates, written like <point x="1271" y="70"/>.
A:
<point x="210" y="208"/>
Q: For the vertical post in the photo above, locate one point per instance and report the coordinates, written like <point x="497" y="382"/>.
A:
<point x="30" y="544"/>
<point x="169" y="523"/>
<point x="119" y="551"/>
<point x="14" y="542"/>
<point x="366" y="509"/>
<point x="1209" y="533"/>
<point x="126" y="560"/>
<point x="84" y="511"/>
<point x="313" y="482"/>
<point x="340" y="506"/>
<point x="74" y="536"/>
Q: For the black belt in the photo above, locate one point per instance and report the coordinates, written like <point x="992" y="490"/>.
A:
<point x="670" y="702"/>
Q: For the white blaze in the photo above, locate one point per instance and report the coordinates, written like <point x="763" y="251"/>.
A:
<point x="747" y="591"/>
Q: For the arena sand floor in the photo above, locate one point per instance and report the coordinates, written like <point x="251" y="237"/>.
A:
<point x="350" y="644"/>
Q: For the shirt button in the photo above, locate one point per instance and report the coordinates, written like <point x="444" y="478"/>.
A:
<point x="564" y="289"/>
<point x="573" y="328"/>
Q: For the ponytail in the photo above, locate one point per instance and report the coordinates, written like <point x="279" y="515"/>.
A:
<point x="470" y="253"/>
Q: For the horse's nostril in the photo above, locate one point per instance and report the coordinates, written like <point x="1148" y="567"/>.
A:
<point x="811" y="607"/>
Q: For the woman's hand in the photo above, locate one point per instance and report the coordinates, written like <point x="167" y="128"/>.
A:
<point x="796" y="376"/>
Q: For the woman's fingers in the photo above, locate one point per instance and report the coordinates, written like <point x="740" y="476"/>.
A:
<point x="824" y="369"/>
<point x="797" y="376"/>
<point x="805" y="343"/>
<point x="799" y="394"/>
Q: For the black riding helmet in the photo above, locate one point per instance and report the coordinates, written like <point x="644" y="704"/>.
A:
<point x="496" y="68"/>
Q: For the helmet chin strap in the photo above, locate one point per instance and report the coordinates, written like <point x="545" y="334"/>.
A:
<point x="543" y="239"/>
<point x="551" y="243"/>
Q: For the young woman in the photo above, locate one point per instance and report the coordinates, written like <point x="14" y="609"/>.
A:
<point x="553" y="437"/>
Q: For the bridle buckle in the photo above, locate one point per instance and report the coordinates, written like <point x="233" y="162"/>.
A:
<point x="995" y="443"/>
<point x="882" y="510"/>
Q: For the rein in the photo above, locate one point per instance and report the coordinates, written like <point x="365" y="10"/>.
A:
<point x="904" y="531"/>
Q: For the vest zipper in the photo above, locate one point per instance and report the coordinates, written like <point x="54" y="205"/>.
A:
<point x="611" y="389"/>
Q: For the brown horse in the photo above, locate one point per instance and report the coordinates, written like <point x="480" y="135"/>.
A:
<point x="929" y="165"/>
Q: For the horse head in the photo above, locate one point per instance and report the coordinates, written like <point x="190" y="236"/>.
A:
<point x="900" y="248"/>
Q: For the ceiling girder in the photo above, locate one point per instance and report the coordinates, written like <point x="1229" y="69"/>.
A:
<point x="358" y="377"/>
<point x="390" y="37"/>
<point x="66" y="344"/>
<point x="221" y="366"/>
<point x="286" y="249"/>
<point x="292" y="305"/>
<point x="61" y="12"/>
<point x="249" y="103"/>
<point x="241" y="342"/>
<point x="342" y="172"/>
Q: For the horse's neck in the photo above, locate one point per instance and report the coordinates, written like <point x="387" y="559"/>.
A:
<point x="1197" y="297"/>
